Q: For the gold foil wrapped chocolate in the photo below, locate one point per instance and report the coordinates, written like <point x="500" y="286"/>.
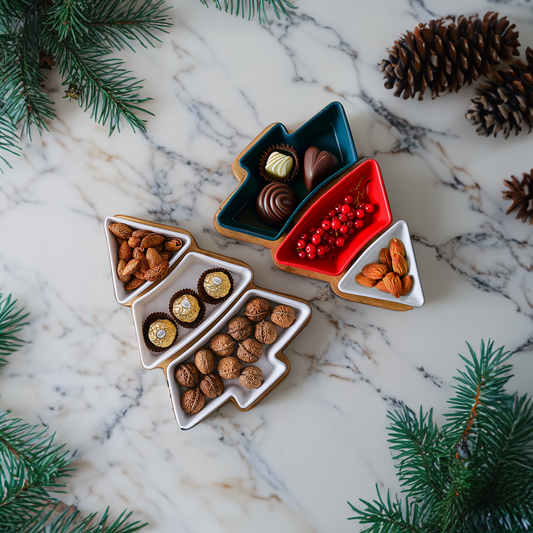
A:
<point x="162" y="333"/>
<point x="186" y="308"/>
<point x="217" y="284"/>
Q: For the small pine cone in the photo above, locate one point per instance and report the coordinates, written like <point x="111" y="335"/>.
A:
<point x="521" y="194"/>
<point x="445" y="54"/>
<point x="506" y="102"/>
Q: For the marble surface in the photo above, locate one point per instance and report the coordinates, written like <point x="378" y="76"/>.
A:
<point x="291" y="463"/>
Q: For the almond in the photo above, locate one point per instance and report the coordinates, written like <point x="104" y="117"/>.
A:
<point x="121" y="230"/>
<point x="399" y="264"/>
<point x="119" y="240"/>
<point x="134" y="241"/>
<point x="138" y="253"/>
<point x="173" y="244"/>
<point x="380" y="285"/>
<point x="158" y="247"/>
<point x="407" y="284"/>
<point x="393" y="283"/>
<point x="131" y="267"/>
<point x="139" y="274"/>
<point x="374" y="270"/>
<point x="152" y="240"/>
<point x="125" y="251"/>
<point x="141" y="233"/>
<point x="120" y="271"/>
<point x="165" y="255"/>
<point x="363" y="280"/>
<point x="385" y="259"/>
<point x="396" y="247"/>
<point x="157" y="273"/>
<point x="133" y="284"/>
<point x="153" y="257"/>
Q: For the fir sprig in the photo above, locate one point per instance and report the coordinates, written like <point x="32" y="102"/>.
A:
<point x="475" y="474"/>
<point x="253" y="6"/>
<point x="11" y="322"/>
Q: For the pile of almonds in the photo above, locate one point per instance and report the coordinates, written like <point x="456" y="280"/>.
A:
<point x="143" y="255"/>
<point x="390" y="274"/>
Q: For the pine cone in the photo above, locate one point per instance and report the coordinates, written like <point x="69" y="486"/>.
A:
<point x="521" y="193"/>
<point x="506" y="102"/>
<point x="444" y="54"/>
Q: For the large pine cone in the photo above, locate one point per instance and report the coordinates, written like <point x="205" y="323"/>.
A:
<point x="521" y="194"/>
<point x="506" y="102"/>
<point x="444" y="54"/>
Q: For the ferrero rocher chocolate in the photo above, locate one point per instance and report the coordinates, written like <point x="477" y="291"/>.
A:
<point x="162" y="333"/>
<point x="217" y="284"/>
<point x="186" y="308"/>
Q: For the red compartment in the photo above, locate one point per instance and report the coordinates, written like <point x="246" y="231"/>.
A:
<point x="336" y="262"/>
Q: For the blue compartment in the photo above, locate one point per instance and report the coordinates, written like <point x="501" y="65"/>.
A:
<point x="328" y="130"/>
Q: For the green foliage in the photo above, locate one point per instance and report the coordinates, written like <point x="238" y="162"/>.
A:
<point x="253" y="6"/>
<point x="11" y="322"/>
<point x="475" y="474"/>
<point x="77" y="36"/>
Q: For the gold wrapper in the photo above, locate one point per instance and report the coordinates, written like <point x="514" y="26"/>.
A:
<point x="162" y="333"/>
<point x="186" y="308"/>
<point x="217" y="284"/>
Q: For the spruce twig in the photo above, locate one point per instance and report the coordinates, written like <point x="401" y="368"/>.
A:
<point x="253" y="6"/>
<point x="11" y="322"/>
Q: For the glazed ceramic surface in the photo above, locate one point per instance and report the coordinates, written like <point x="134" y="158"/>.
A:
<point x="216" y="82"/>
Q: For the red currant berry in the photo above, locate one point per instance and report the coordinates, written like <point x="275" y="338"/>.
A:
<point x="338" y="208"/>
<point x="332" y="213"/>
<point x="312" y="230"/>
<point x="351" y="215"/>
<point x="335" y="223"/>
<point x="328" y="248"/>
<point x="343" y="228"/>
<point x="359" y="213"/>
<point x="351" y="231"/>
<point x="301" y="244"/>
<point x="333" y="248"/>
<point x="320" y="231"/>
<point x="350" y="223"/>
<point x="331" y="240"/>
<point x="302" y="254"/>
<point x="316" y="238"/>
<point x="340" y="242"/>
<point x="305" y="237"/>
<point x="310" y="249"/>
<point x="358" y="224"/>
<point x="326" y="224"/>
<point x="369" y="208"/>
<point x="345" y="208"/>
<point x="348" y="199"/>
<point x="311" y="256"/>
<point x="361" y="205"/>
<point x="321" y="250"/>
<point x="342" y="217"/>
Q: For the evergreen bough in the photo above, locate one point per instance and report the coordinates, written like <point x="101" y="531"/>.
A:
<point x="475" y="474"/>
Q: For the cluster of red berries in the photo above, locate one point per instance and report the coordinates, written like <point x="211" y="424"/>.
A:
<point x="334" y="231"/>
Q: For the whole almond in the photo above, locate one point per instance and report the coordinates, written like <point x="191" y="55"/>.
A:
<point x="157" y="273"/>
<point x="385" y="259"/>
<point x="139" y="274"/>
<point x="363" y="280"/>
<point x="165" y="255"/>
<point x="131" y="267"/>
<point x="374" y="270"/>
<point x="380" y="285"/>
<point x="133" y="284"/>
<point x="141" y="233"/>
<point x="393" y="283"/>
<point x="144" y="266"/>
<point x="138" y="253"/>
<point x="173" y="244"/>
<point x="399" y="265"/>
<point x="153" y="257"/>
<point x="134" y="241"/>
<point x="125" y="251"/>
<point x="120" y="271"/>
<point x="397" y="247"/>
<point x="158" y="247"/>
<point x="407" y="284"/>
<point x="119" y="240"/>
<point x="152" y="240"/>
<point x="121" y="230"/>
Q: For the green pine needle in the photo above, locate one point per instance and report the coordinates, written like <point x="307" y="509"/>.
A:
<point x="253" y="6"/>
<point x="11" y="322"/>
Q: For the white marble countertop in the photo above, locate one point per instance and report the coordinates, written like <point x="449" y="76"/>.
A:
<point x="319" y="439"/>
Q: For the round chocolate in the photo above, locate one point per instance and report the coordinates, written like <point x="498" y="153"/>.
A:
<point x="212" y="386"/>
<point x="265" y="332"/>
<point x="251" y="377"/>
<point x="276" y="203"/>
<point x="162" y="333"/>
<point x="249" y="351"/>
<point x="187" y="375"/>
<point x="192" y="401"/>
<point x="204" y="359"/>
<point x="222" y="344"/>
<point x="283" y="316"/>
<point x="229" y="367"/>
<point x="217" y="284"/>
<point x="240" y="327"/>
<point x="257" y="309"/>
<point x="186" y="308"/>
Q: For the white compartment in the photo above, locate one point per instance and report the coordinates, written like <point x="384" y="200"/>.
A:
<point x="184" y="276"/>
<point x="273" y="369"/>
<point x="371" y="255"/>
<point x="121" y="294"/>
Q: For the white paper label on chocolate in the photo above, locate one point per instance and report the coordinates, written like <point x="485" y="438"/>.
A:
<point x="217" y="280"/>
<point x="186" y="304"/>
<point x="161" y="333"/>
<point x="279" y="165"/>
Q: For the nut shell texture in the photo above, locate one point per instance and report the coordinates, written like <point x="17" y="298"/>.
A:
<point x="187" y="375"/>
<point x="257" y="309"/>
<point x="250" y="351"/>
<point x="222" y="344"/>
<point x="229" y="367"/>
<point x="240" y="327"/>
<point x="265" y="332"/>
<point x="251" y="377"/>
<point x="212" y="385"/>
<point x="283" y="316"/>
<point x="204" y="359"/>
<point x="193" y="401"/>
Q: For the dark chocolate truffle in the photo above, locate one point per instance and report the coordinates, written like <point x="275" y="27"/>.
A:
<point x="187" y="375"/>
<point x="265" y="332"/>
<point x="240" y="327"/>
<point x="318" y="165"/>
<point x="222" y="344"/>
<point x="257" y="309"/>
<point x="251" y="377"/>
<point x="212" y="386"/>
<point x="229" y="367"/>
<point x="283" y="316"/>
<point x="192" y="401"/>
<point x="249" y="351"/>
<point x="204" y="359"/>
<point x="276" y="203"/>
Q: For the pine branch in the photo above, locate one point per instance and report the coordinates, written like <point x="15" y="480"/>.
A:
<point x="11" y="322"/>
<point x="9" y="141"/>
<point x="67" y="19"/>
<point x="279" y="7"/>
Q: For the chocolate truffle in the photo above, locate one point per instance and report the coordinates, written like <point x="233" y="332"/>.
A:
<point x="257" y="309"/>
<point x="276" y="203"/>
<point x="186" y="308"/>
<point x="265" y="332"/>
<point x="283" y="316"/>
<point x="318" y="165"/>
<point x="192" y="401"/>
<point x="187" y="375"/>
<point x="212" y="385"/>
<point x="217" y="284"/>
<point x="204" y="359"/>
<point x="229" y="367"/>
<point x="278" y="165"/>
<point x="251" y="377"/>
<point x="249" y="351"/>
<point x="240" y="327"/>
<point x="222" y="344"/>
<point x="162" y="333"/>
